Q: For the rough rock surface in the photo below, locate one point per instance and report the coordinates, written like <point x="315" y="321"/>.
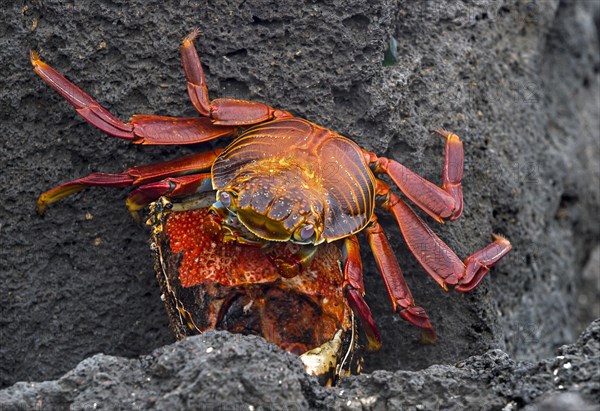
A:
<point x="190" y="375"/>
<point x="517" y="80"/>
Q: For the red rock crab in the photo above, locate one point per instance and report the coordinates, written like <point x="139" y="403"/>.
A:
<point x="286" y="180"/>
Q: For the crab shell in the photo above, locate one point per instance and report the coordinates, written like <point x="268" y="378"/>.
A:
<point x="320" y="179"/>
<point x="210" y="284"/>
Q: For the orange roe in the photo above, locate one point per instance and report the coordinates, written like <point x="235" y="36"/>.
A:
<point x="196" y="235"/>
<point x="205" y="258"/>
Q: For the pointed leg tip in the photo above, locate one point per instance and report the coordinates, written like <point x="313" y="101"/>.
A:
<point x="189" y="39"/>
<point x="501" y="239"/>
<point x="40" y="208"/>
<point x="373" y="344"/>
<point x="428" y="337"/>
<point x="441" y="131"/>
<point x="418" y="317"/>
<point x="36" y="62"/>
<point x="448" y="135"/>
<point x="34" y="57"/>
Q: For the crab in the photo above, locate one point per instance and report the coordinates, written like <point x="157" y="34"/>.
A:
<point x="284" y="179"/>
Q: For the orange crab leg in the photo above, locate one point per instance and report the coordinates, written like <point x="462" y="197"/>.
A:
<point x="355" y="290"/>
<point x="481" y="261"/>
<point x="452" y="174"/>
<point x="440" y="262"/>
<point x="134" y="176"/>
<point x="223" y="111"/>
<point x="395" y="283"/>
<point x="143" y="129"/>
<point x="162" y="130"/>
<point x="72" y="187"/>
<point x="231" y="112"/>
<point x="439" y="203"/>
<point x="193" y="163"/>
<point x="86" y="106"/>
<point x="196" y="83"/>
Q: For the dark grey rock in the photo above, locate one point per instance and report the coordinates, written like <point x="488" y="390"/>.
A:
<point x="218" y="370"/>
<point x="589" y="286"/>
<point x="517" y="80"/>
<point x="492" y="381"/>
<point x="565" y="401"/>
<point x="186" y="375"/>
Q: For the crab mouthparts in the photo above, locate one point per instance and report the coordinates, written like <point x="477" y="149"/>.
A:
<point x="263" y="227"/>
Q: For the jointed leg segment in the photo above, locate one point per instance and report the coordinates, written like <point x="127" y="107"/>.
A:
<point x="354" y="289"/>
<point x="172" y="187"/>
<point x="196" y="83"/>
<point x="219" y="118"/>
<point x="143" y="129"/>
<point x="222" y="111"/>
<point x="86" y="106"/>
<point x="440" y="262"/>
<point x="152" y="181"/>
<point x="439" y="203"/>
<point x="400" y="295"/>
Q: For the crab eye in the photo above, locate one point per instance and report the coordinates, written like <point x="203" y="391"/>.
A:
<point x="307" y="232"/>
<point x="225" y="199"/>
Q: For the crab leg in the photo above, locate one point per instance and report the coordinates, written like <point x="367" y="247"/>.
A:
<point x="162" y="130"/>
<point x="134" y="176"/>
<point x="355" y="290"/>
<point x="439" y="203"/>
<point x="481" y="261"/>
<point x="395" y="283"/>
<point x="196" y="83"/>
<point x="223" y="111"/>
<point x="440" y="262"/>
<point x="143" y="129"/>
<point x="172" y="186"/>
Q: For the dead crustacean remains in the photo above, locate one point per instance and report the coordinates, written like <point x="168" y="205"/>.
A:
<point x="284" y="191"/>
